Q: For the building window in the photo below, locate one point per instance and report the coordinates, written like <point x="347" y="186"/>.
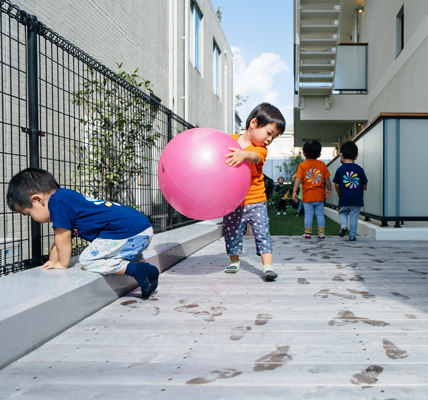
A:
<point x="400" y="30"/>
<point x="195" y="25"/>
<point x="216" y="67"/>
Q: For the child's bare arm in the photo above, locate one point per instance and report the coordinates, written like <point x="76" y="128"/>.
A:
<point x="297" y="183"/>
<point x="336" y="186"/>
<point x="328" y="191"/>
<point x="365" y="187"/>
<point x="239" y="156"/>
<point x="62" y="249"/>
<point x="53" y="255"/>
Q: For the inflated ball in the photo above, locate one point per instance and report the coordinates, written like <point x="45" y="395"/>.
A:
<point x="194" y="177"/>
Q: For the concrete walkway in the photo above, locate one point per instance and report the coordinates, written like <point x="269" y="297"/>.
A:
<point x="344" y="320"/>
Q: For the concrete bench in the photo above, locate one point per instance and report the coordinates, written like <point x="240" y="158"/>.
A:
<point x="36" y="305"/>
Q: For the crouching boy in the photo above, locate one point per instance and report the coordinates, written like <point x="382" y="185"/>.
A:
<point x="118" y="234"/>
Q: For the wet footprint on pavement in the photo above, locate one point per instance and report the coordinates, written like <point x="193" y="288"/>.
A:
<point x="401" y="296"/>
<point x="262" y="319"/>
<point x="186" y="307"/>
<point x="239" y="332"/>
<point x="367" y="376"/>
<point x="322" y="293"/>
<point x="302" y="281"/>
<point x="128" y="302"/>
<point x="216" y="311"/>
<point x="348" y="317"/>
<point x="392" y="351"/>
<point x="212" y="376"/>
<point x="273" y="360"/>
<point x="366" y="295"/>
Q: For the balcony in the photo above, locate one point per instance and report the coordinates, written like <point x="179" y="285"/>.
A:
<point x="326" y="65"/>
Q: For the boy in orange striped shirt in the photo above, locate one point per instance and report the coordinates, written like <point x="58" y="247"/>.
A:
<point x="314" y="176"/>
<point x="263" y="125"/>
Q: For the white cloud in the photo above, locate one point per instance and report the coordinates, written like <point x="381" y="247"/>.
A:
<point x="257" y="78"/>
<point x="263" y="79"/>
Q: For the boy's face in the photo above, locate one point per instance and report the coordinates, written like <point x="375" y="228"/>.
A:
<point x="264" y="135"/>
<point x="39" y="211"/>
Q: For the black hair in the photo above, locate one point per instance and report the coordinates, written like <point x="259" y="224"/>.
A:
<point x="312" y="149"/>
<point x="349" y="150"/>
<point x="267" y="114"/>
<point x="26" y="183"/>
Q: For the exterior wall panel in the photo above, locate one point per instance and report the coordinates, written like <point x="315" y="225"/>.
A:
<point x="137" y="35"/>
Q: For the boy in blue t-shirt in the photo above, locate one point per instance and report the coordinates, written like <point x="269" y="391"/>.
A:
<point x="349" y="182"/>
<point x="118" y="234"/>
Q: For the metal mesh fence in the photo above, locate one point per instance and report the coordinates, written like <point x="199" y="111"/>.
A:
<point x="101" y="134"/>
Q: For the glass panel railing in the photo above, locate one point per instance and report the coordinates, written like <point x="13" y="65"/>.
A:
<point x="332" y="167"/>
<point x="351" y="67"/>
<point x="405" y="157"/>
<point x="392" y="153"/>
<point x="370" y="158"/>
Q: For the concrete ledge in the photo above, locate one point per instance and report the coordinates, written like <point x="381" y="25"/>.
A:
<point x="377" y="232"/>
<point x="37" y="305"/>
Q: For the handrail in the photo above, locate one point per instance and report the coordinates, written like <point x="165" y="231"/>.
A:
<point x="387" y="156"/>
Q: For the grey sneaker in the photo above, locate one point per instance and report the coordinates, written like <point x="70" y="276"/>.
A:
<point x="232" y="268"/>
<point x="269" y="273"/>
<point x="342" y="232"/>
<point x="352" y="238"/>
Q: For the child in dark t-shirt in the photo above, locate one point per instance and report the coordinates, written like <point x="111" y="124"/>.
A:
<point x="281" y="190"/>
<point x="118" y="234"/>
<point x="350" y="181"/>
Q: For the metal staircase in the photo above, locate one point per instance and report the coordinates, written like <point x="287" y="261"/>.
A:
<point x="317" y="23"/>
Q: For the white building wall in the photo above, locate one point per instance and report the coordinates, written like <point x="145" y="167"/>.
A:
<point x="137" y="34"/>
<point x="396" y="83"/>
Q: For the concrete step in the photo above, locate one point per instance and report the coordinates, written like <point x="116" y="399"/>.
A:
<point x="331" y="55"/>
<point x="37" y="305"/>
<point x="319" y="28"/>
<point x="315" y="78"/>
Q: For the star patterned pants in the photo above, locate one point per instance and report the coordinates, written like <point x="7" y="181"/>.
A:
<point x="235" y="227"/>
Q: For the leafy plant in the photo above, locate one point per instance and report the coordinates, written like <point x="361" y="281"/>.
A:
<point x="240" y="100"/>
<point x="119" y="130"/>
<point x="218" y="12"/>
<point x="290" y="165"/>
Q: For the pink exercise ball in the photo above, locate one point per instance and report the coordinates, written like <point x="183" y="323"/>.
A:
<point x="194" y="177"/>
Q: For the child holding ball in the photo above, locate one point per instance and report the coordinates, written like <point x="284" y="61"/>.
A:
<point x="264" y="124"/>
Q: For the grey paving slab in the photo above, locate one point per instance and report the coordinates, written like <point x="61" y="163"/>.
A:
<point x="342" y="321"/>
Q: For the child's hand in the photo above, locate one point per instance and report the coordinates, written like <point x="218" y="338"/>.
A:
<point x="327" y="194"/>
<point x="53" y="265"/>
<point x="294" y="198"/>
<point x="235" y="158"/>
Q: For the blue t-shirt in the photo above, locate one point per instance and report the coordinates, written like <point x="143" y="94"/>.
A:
<point x="351" y="178"/>
<point x="89" y="218"/>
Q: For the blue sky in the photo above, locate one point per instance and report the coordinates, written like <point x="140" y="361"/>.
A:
<point x="260" y="34"/>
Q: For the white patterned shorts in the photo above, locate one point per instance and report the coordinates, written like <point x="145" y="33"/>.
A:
<point x="109" y="256"/>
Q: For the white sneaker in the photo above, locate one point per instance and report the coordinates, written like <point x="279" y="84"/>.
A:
<point x="278" y="213"/>
<point x="284" y="213"/>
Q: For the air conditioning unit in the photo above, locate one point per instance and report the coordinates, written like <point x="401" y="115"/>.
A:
<point x="9" y="250"/>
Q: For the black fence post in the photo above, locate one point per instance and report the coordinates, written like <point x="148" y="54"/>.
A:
<point x="170" y="209"/>
<point x="33" y="121"/>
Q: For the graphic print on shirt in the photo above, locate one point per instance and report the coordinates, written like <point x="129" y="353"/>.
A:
<point x="313" y="176"/>
<point x="351" y="180"/>
<point x="98" y="202"/>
